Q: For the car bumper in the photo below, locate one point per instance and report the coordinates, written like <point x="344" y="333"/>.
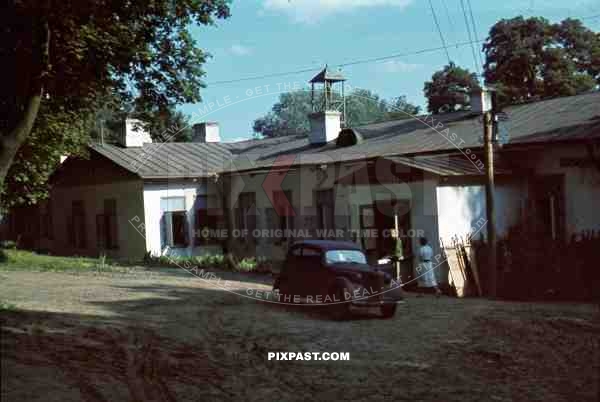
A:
<point x="376" y="303"/>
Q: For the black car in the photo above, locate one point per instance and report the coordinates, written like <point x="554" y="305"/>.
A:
<point x="336" y="274"/>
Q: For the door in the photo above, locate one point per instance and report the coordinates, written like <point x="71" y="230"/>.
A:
<point x="289" y="276"/>
<point x="310" y="272"/>
<point x="386" y="213"/>
<point x="548" y="206"/>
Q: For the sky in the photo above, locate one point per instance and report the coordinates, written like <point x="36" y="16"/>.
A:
<point x="265" y="37"/>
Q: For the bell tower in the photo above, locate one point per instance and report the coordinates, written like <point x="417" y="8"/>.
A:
<point x="328" y="106"/>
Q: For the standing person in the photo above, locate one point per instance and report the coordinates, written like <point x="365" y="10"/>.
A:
<point x="425" y="274"/>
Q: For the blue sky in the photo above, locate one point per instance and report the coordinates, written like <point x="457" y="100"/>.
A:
<point x="274" y="36"/>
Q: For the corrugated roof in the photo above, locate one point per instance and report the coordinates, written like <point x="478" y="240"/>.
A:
<point x="449" y="165"/>
<point x="574" y="118"/>
<point x="571" y="118"/>
<point x="169" y="159"/>
<point x="326" y="74"/>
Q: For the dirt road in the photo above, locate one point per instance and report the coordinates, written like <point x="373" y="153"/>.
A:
<point x="163" y="335"/>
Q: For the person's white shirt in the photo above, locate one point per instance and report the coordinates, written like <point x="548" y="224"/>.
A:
<point x="425" y="274"/>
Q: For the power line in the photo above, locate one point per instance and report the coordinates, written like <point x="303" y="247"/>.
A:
<point x="437" y="24"/>
<point x="462" y="5"/>
<point x="346" y="64"/>
<point x="475" y="34"/>
<point x="471" y="43"/>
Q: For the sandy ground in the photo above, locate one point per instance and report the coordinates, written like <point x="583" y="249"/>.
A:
<point x="164" y="335"/>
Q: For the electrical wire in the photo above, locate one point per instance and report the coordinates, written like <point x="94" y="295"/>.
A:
<point x="437" y="24"/>
<point x="346" y="64"/>
<point x="474" y="53"/>
<point x="475" y="34"/>
<point x="471" y="43"/>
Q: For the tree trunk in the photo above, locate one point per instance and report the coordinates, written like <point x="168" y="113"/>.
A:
<point x="11" y="141"/>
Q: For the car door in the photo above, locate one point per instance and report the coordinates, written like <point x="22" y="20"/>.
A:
<point x="289" y="275"/>
<point x="312" y="271"/>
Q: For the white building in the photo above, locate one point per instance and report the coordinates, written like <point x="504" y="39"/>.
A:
<point x="255" y="197"/>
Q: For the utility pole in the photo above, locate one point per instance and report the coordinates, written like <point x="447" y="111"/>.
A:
<point x="489" y="122"/>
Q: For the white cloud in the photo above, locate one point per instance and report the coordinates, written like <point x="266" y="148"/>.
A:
<point x="308" y="11"/>
<point x="240" y="50"/>
<point x="397" y="66"/>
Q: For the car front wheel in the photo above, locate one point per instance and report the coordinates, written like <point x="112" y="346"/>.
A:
<point x="340" y="309"/>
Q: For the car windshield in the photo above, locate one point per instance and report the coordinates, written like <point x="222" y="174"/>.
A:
<point x="345" y="256"/>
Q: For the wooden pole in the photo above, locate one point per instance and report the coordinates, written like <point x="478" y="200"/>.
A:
<point x="397" y="229"/>
<point x="488" y="133"/>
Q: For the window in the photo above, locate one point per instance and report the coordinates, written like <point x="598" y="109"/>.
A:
<point x="106" y="226"/>
<point x="345" y="256"/>
<point x="76" y="225"/>
<point x="281" y="216"/>
<point x="174" y="222"/>
<point x="46" y="220"/>
<point x="324" y="203"/>
<point x="246" y="214"/>
<point x="207" y="221"/>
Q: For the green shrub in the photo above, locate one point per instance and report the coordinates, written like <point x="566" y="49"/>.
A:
<point x="246" y="265"/>
<point x="8" y="244"/>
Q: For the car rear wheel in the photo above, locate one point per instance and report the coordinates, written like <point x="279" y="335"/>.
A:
<point x="388" y="310"/>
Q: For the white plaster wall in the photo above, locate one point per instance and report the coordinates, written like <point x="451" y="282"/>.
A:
<point x="582" y="186"/>
<point x="128" y="195"/>
<point x="462" y="209"/>
<point x="423" y="210"/>
<point x="152" y="194"/>
<point x="303" y="181"/>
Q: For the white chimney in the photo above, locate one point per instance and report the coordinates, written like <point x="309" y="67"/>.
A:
<point x="324" y="126"/>
<point x="481" y="100"/>
<point x="206" y="132"/>
<point x="133" y="134"/>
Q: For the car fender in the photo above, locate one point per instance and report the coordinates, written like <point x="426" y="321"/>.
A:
<point x="340" y="282"/>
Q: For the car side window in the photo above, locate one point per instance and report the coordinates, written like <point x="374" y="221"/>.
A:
<point x="311" y="259"/>
<point x="310" y="252"/>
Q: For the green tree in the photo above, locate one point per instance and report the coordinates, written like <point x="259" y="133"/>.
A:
<point x="532" y="58"/>
<point x="290" y="114"/>
<point x="449" y="89"/>
<point x="62" y="58"/>
<point x="400" y="108"/>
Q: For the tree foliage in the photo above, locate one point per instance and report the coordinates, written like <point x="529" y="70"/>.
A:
<point x="449" y="89"/>
<point x="533" y="59"/>
<point x="62" y="58"/>
<point x="290" y="114"/>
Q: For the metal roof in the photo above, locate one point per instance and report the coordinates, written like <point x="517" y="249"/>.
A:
<point x="169" y="160"/>
<point x="327" y="75"/>
<point x="450" y="165"/>
<point x="574" y="118"/>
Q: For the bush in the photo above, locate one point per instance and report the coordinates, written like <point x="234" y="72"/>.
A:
<point x="8" y="244"/>
<point x="228" y="262"/>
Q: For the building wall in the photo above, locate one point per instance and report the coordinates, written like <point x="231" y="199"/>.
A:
<point x="582" y="185"/>
<point x="128" y="196"/>
<point x="462" y="205"/>
<point x="189" y="189"/>
<point x="462" y="209"/>
<point x="422" y="198"/>
<point x="303" y="181"/>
